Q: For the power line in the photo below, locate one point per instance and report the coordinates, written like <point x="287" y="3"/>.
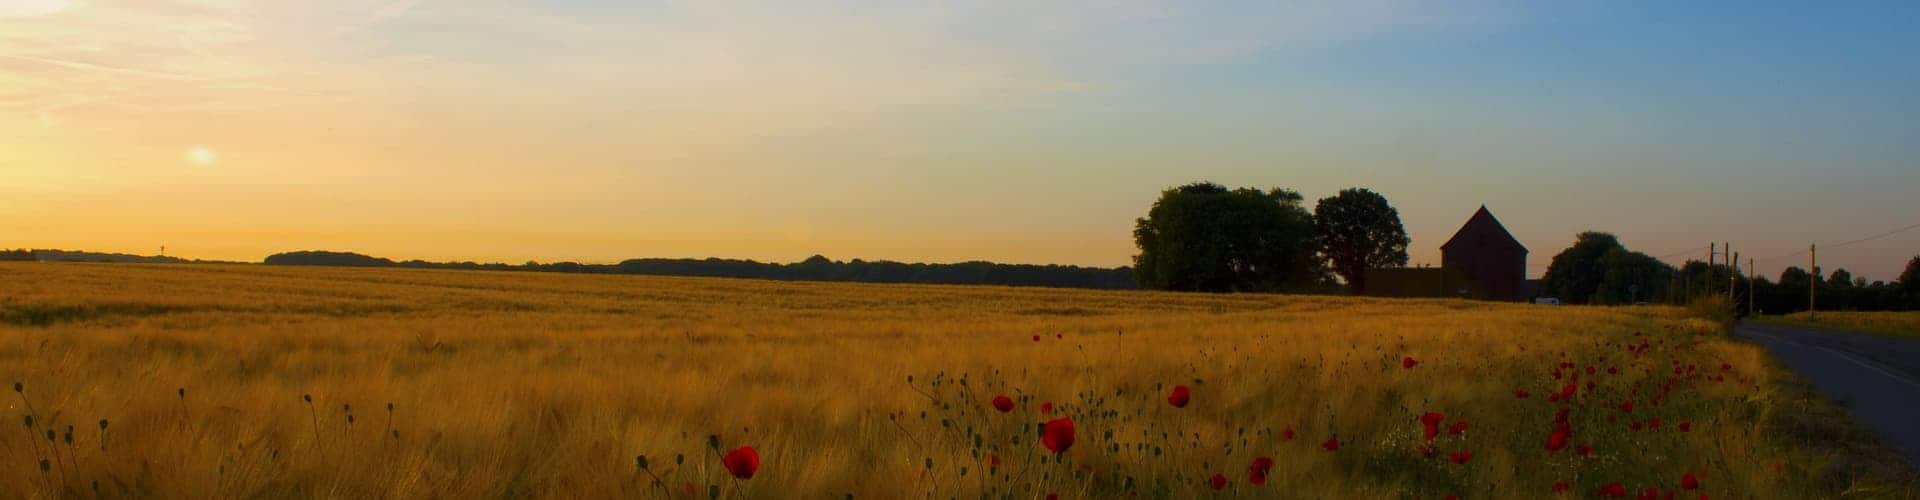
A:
<point x="1846" y="243"/>
<point x="1680" y="253"/>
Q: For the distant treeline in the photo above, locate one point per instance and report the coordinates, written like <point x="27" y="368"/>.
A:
<point x="1597" y="269"/>
<point x="816" y="268"/>
<point x="79" y="256"/>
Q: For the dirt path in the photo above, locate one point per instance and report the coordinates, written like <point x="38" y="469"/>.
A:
<point x="1877" y="379"/>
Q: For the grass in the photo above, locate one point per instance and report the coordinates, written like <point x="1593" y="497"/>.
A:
<point x="240" y="381"/>
<point x="1897" y="324"/>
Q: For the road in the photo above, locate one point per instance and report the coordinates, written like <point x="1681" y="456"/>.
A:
<point x="1877" y="378"/>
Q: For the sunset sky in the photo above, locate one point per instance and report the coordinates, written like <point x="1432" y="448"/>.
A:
<point x="1026" y="131"/>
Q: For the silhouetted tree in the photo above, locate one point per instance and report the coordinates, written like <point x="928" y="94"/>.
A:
<point x="1205" y="237"/>
<point x="1358" y="230"/>
<point x="1627" y="277"/>
<point x="1840" y="279"/>
<point x="1910" y="281"/>
<point x="1577" y="271"/>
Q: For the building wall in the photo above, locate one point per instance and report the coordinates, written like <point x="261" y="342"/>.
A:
<point x="1492" y="271"/>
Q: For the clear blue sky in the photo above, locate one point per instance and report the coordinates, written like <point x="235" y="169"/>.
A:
<point x="944" y="131"/>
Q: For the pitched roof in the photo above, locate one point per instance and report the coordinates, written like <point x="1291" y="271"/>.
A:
<point x="1483" y="227"/>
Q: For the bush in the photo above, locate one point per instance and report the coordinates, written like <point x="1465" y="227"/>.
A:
<point x="1714" y="308"/>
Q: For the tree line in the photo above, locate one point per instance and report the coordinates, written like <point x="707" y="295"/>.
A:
<point x="1597" y="269"/>
<point x="816" y="268"/>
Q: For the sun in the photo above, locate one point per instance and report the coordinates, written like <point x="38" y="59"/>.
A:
<point x="201" y="155"/>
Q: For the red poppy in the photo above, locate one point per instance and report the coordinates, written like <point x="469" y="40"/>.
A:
<point x="1053" y="496"/>
<point x="1180" y="396"/>
<point x="1614" y="490"/>
<point x="1458" y="427"/>
<point x="1046" y="408"/>
<point x="1651" y="493"/>
<point x="1287" y="434"/>
<point x="742" y="462"/>
<point x="1332" y="444"/>
<point x="1613" y="370"/>
<point x="1561" y="487"/>
<point x="993" y="460"/>
<point x="1431" y="421"/>
<point x="1003" y="403"/>
<point x="1653" y="424"/>
<point x="1036" y="338"/>
<point x="1460" y="457"/>
<point x="1688" y="482"/>
<point x="1521" y="393"/>
<point x="1686" y="426"/>
<point x="1218" y="482"/>
<point x="1059" y="336"/>
<point x="1257" y="472"/>
<point x="1583" y="450"/>
<point x="1627" y="406"/>
<point x="1408" y="362"/>
<point x="1558" y="439"/>
<point x="1725" y="367"/>
<point x="1057" y="435"/>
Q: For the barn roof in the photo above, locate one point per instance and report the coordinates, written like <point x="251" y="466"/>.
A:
<point x="1482" y="227"/>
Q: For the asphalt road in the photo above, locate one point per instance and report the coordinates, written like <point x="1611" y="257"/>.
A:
<point x="1876" y="378"/>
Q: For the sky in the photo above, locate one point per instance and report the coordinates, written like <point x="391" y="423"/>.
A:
<point x="1030" y="131"/>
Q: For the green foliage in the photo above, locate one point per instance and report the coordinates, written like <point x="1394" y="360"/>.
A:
<point x="1359" y="230"/>
<point x="1205" y="237"/>
<point x="1713" y="307"/>
<point x="1628" y="277"/>
<point x="1576" y="272"/>
<point x="1840" y="278"/>
<point x="1910" y="279"/>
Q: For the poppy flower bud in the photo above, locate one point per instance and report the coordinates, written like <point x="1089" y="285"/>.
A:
<point x="103" y="424"/>
<point x="640" y="461"/>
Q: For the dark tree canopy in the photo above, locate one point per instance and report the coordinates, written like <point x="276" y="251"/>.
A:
<point x="1358" y="230"/>
<point x="1841" y="278"/>
<point x="1910" y="279"/>
<point x="1576" y="272"/>
<point x="1628" y="277"/>
<point x="1794" y="276"/>
<point x="1205" y="237"/>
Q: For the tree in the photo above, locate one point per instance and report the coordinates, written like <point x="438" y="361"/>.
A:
<point x="1840" y="279"/>
<point x="1358" y="231"/>
<point x="1795" y="277"/>
<point x="1205" y="237"/>
<point x="1628" y="277"/>
<point x="1910" y="281"/>
<point x="1577" y="271"/>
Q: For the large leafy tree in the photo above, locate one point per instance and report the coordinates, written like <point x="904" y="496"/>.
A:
<point x="1628" y="276"/>
<point x="1205" y="237"/>
<point x="1910" y="279"/>
<point x="1358" y="230"/>
<point x="1576" y="272"/>
<point x="1841" y="278"/>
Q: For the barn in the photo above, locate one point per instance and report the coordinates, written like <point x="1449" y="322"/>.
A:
<point x="1482" y="261"/>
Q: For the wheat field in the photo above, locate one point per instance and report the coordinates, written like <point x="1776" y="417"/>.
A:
<point x="231" y="381"/>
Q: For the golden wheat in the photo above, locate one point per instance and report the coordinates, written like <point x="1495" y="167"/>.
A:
<point x="238" y="381"/>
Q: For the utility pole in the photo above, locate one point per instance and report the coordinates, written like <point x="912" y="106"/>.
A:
<point x="1713" y="252"/>
<point x="1750" y="278"/>
<point x="1813" y="279"/>
<point x="1733" y="278"/>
